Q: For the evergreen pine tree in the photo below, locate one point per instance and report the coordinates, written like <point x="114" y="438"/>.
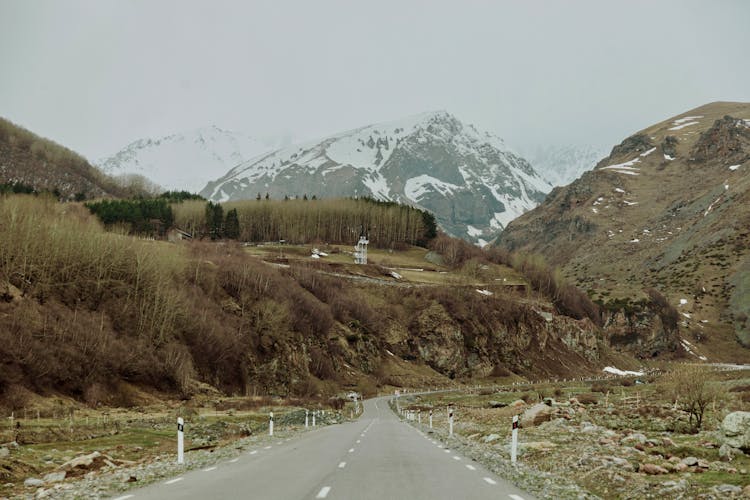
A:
<point x="232" y="225"/>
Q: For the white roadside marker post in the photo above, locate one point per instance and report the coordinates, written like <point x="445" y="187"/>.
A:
<point x="450" y="421"/>
<point x="314" y="412"/>
<point x="306" y="418"/>
<point x="180" y="441"/>
<point x="430" y="419"/>
<point x="270" y="424"/>
<point x="514" y="441"/>
<point x="419" y="417"/>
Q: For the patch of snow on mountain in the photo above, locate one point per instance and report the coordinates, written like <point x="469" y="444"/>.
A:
<point x="627" y="164"/>
<point x="617" y="371"/>
<point x="686" y="119"/>
<point x="378" y="185"/>
<point x="680" y="127"/>
<point x="416" y="187"/>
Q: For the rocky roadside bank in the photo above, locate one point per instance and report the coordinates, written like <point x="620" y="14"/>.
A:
<point x="566" y="448"/>
<point x="539" y="483"/>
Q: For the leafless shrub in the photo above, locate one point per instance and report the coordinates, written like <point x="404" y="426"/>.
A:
<point x="692" y="392"/>
<point x="336" y="403"/>
<point x="599" y="387"/>
<point x="588" y="398"/>
<point x="95" y="394"/>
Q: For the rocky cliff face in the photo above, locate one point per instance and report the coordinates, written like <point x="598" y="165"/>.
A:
<point x="668" y="209"/>
<point x="497" y="334"/>
<point x="469" y="179"/>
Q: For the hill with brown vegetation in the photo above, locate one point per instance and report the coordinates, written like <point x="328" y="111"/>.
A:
<point x="39" y="164"/>
<point x="665" y="214"/>
<point x="89" y="313"/>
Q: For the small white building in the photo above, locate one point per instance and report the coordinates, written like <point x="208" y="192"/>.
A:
<point x="360" y="250"/>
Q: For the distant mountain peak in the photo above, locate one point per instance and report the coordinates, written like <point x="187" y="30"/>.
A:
<point x="467" y="178"/>
<point x="186" y="160"/>
<point x="562" y="164"/>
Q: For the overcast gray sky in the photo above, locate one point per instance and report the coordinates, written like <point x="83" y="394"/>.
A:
<point x="95" y="75"/>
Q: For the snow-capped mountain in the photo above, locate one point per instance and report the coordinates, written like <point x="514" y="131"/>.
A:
<point x="186" y="161"/>
<point x="469" y="179"/>
<point x="561" y="165"/>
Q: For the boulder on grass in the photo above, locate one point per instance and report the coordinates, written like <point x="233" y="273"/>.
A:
<point x="652" y="469"/>
<point x="735" y="429"/>
<point x="537" y="414"/>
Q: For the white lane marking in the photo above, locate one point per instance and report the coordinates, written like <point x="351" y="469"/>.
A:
<point x="447" y="450"/>
<point x="289" y="439"/>
<point x="323" y="492"/>
<point x="362" y="435"/>
<point x="342" y="465"/>
<point x="175" y="480"/>
<point x="124" y="497"/>
<point x="267" y="448"/>
<point x="515" y="497"/>
<point x="489" y="480"/>
<point x="470" y="467"/>
<point x="233" y="460"/>
<point x="351" y="450"/>
<point x="209" y="469"/>
<point x="254" y="452"/>
<point x="358" y="441"/>
<point x="456" y="458"/>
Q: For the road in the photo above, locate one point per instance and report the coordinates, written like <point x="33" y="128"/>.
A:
<point x="376" y="457"/>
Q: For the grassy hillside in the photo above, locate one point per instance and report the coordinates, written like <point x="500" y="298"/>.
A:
<point x="90" y="313"/>
<point x="668" y="210"/>
<point x="39" y="164"/>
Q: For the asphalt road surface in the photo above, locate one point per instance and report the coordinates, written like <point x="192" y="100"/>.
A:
<point x="376" y="457"/>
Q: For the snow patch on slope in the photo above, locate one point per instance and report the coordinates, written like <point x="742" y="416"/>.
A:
<point x="417" y="187"/>
<point x="617" y="371"/>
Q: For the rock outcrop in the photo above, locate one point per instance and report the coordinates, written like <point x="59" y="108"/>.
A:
<point x="735" y="429"/>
